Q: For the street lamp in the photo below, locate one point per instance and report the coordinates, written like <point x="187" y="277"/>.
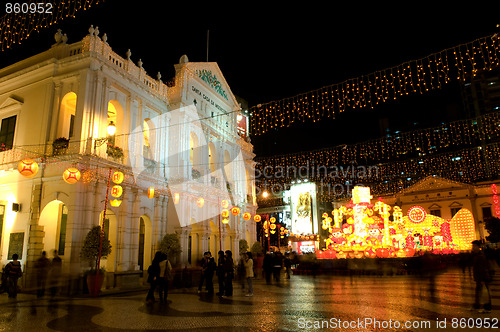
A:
<point x="111" y="130"/>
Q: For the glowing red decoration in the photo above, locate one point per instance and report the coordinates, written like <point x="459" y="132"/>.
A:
<point x="28" y="168"/>
<point x="71" y="175"/>
<point x="417" y="214"/>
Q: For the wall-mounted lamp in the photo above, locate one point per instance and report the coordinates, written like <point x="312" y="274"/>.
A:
<point x="16" y="207"/>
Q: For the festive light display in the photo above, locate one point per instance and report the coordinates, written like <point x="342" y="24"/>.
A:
<point x="176" y="198"/>
<point x="224" y="203"/>
<point x="369" y="232"/>
<point x="115" y="202"/>
<point x="496" y="203"/>
<point x="71" y="175"/>
<point x="22" y="19"/>
<point x="28" y="168"/>
<point x="116" y="191"/>
<point x="118" y="177"/>
<point x="200" y="202"/>
<point x="235" y="211"/>
<point x="257" y="218"/>
<point x="247" y="216"/>
<point x="151" y="192"/>
<point x="225" y="214"/>
<point x="413" y="77"/>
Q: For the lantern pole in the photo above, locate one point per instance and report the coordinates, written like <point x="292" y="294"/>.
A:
<point x="102" y="235"/>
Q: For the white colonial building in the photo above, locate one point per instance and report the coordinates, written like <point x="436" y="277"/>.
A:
<point x="186" y="140"/>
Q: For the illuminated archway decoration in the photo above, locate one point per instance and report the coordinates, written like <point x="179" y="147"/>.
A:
<point x="71" y="175"/>
<point x="28" y="168"/>
<point x="417" y="214"/>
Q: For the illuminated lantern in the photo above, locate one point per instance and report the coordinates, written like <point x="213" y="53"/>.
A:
<point x="358" y="254"/>
<point x="272" y="231"/>
<point x="225" y="214"/>
<point x="225" y="221"/>
<point x="176" y="198"/>
<point x="116" y="191"/>
<point x="257" y="218"/>
<point x="247" y="216"/>
<point x="28" y="168"/>
<point x="235" y="211"/>
<point x="71" y="175"/>
<point x="115" y="202"/>
<point x="200" y="202"/>
<point x="118" y="177"/>
<point x="272" y="226"/>
<point x="462" y="228"/>
<point x="272" y="220"/>
<point x="409" y="252"/>
<point x="151" y="192"/>
<point x="417" y="214"/>
<point x="382" y="252"/>
<point x="320" y="254"/>
<point x="224" y="204"/>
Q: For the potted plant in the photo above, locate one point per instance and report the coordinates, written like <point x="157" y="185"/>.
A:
<point x="60" y="145"/>
<point x="114" y="152"/>
<point x="90" y="254"/>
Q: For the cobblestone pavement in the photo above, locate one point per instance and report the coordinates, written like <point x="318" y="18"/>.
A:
<point x="300" y="303"/>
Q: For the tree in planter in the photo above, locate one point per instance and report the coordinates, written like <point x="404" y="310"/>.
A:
<point x="257" y="249"/>
<point x="90" y="248"/>
<point x="60" y="145"/>
<point x="170" y="245"/>
<point x="243" y="246"/>
<point x="114" y="151"/>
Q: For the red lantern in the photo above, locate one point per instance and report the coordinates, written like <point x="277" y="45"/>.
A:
<point x="116" y="191"/>
<point x="235" y="211"/>
<point x="257" y="218"/>
<point x="151" y="192"/>
<point x="247" y="216"/>
<point x="71" y="175"/>
<point x="118" y="177"/>
<point x="382" y="252"/>
<point x="225" y="213"/>
<point x="409" y="252"/>
<point x="176" y="198"/>
<point x="28" y="168"/>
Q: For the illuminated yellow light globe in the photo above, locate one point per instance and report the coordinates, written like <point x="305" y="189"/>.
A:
<point x="71" y="175"/>
<point x="28" y="168"/>
<point x="118" y="177"/>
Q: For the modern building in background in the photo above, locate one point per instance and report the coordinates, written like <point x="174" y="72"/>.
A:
<point x="183" y="148"/>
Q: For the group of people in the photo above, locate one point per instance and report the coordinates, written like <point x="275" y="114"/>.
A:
<point x="159" y="275"/>
<point x="274" y="263"/>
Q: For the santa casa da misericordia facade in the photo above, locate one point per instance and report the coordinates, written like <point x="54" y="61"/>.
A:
<point x="183" y="150"/>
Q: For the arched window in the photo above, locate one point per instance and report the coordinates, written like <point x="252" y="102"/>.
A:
<point x="66" y="124"/>
<point x="148" y="139"/>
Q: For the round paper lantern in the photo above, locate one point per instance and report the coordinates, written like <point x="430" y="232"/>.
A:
<point x="116" y="191"/>
<point x="224" y="204"/>
<point x="200" y="202"/>
<point x="115" y="202"/>
<point x="409" y="252"/>
<point x="225" y="221"/>
<point x="176" y="198"/>
<point x="151" y="192"/>
<point x="382" y="252"/>
<point x="417" y="214"/>
<point x="28" y="168"/>
<point x="272" y="220"/>
<point x="247" y="216"/>
<point x="118" y="177"/>
<point x="235" y="211"/>
<point x="257" y="218"/>
<point x="225" y="214"/>
<point x="71" y="175"/>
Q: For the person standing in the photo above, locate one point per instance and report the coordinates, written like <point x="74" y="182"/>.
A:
<point x="482" y="274"/>
<point x="204" y="265"/>
<point x="165" y="277"/>
<point x="249" y="272"/>
<point x="153" y="277"/>
<point x="14" y="272"/>
<point x="277" y="265"/>
<point x="42" y="267"/>
<point x="268" y="267"/>
<point x="288" y="265"/>
<point x="209" y="273"/>
<point x="220" y="272"/>
<point x="228" y="273"/>
<point x="55" y="273"/>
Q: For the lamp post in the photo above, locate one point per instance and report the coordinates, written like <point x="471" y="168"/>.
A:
<point x="111" y="130"/>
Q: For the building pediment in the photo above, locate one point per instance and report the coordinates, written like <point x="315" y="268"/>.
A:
<point x="433" y="183"/>
<point x="455" y="204"/>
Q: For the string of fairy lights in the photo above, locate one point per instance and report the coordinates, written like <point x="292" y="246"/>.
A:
<point x="22" y="19"/>
<point x="419" y="76"/>
<point x="465" y="151"/>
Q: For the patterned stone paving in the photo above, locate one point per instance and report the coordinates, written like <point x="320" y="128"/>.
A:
<point x="302" y="303"/>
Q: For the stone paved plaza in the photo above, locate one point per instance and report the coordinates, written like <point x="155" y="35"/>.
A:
<point x="300" y="303"/>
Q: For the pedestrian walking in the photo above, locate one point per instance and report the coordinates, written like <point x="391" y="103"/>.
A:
<point x="241" y="271"/>
<point x="209" y="274"/>
<point x="277" y="265"/>
<point x="153" y="277"/>
<point x="483" y="275"/>
<point x="55" y="273"/>
<point x="288" y="265"/>
<point x="14" y="272"/>
<point x="228" y="273"/>
<point x="268" y="267"/>
<point x="249" y="272"/>
<point x="165" y="277"/>
<point x="42" y="268"/>
<point x="220" y="272"/>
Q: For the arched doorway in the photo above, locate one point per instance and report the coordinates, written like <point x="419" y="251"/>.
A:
<point x="54" y="218"/>
<point x="144" y="258"/>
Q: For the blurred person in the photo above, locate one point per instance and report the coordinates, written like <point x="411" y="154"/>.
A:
<point x="14" y="272"/>
<point x="241" y="271"/>
<point x="483" y="274"/>
<point x="42" y="268"/>
<point x="153" y="277"/>
<point x="204" y="266"/>
<point x="277" y="265"/>
<point x="209" y="274"/>
<point x="288" y="265"/>
<point x="164" y="278"/>
<point x="55" y="273"/>
<point x="220" y="272"/>
<point x="228" y="273"/>
<point x="268" y="267"/>
<point x="249" y="272"/>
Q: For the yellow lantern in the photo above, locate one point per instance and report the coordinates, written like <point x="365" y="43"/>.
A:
<point x="176" y="198"/>
<point x="151" y="192"/>
<point x="116" y="191"/>
<point x="235" y="211"/>
<point x="200" y="202"/>
<point x="71" y="175"/>
<point x="272" y="220"/>
<point x="224" y="204"/>
<point x="257" y="218"/>
<point x="247" y="216"/>
<point x="225" y="221"/>
<point x="28" y="168"/>
<point x="118" y="177"/>
<point x="115" y="202"/>
<point x="225" y="214"/>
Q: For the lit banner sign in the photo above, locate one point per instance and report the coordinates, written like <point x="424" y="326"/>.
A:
<point x="303" y="207"/>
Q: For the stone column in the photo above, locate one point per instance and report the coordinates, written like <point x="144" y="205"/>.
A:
<point x="134" y="230"/>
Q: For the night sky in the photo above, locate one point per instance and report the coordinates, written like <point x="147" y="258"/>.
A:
<point x="268" y="53"/>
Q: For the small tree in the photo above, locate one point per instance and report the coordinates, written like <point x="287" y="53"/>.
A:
<point x="170" y="245"/>
<point x="257" y="249"/>
<point x="243" y="246"/>
<point x="90" y="248"/>
<point x="492" y="225"/>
